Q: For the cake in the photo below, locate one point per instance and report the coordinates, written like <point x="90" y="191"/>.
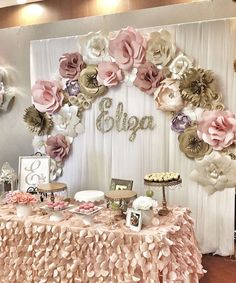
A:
<point x="89" y="196"/>
<point x="162" y="177"/>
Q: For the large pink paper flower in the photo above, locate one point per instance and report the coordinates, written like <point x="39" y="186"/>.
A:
<point x="148" y="78"/>
<point x="57" y="147"/>
<point x="217" y="128"/>
<point x="71" y="65"/>
<point x="47" y="96"/>
<point x="128" y="49"/>
<point x="109" y="74"/>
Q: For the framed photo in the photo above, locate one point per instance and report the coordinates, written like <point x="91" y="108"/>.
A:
<point x="119" y="184"/>
<point x="33" y="170"/>
<point x="134" y="219"/>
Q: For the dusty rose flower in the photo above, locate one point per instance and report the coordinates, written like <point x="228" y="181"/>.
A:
<point x="109" y="74"/>
<point x="217" y="128"/>
<point x="168" y="97"/>
<point x="57" y="147"/>
<point x="71" y="65"/>
<point x="148" y="78"/>
<point x="47" y="96"/>
<point x="128" y="49"/>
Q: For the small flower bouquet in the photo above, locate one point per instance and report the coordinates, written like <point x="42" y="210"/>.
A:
<point x="17" y="197"/>
<point x="144" y="203"/>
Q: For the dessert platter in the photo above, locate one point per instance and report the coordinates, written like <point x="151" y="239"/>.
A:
<point x="163" y="179"/>
<point x="86" y="208"/>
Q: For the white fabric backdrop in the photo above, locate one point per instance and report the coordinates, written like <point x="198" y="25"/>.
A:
<point x="97" y="157"/>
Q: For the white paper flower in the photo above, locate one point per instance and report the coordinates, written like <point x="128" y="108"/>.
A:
<point x="215" y="172"/>
<point x="144" y="203"/>
<point x="179" y="65"/>
<point x="130" y="77"/>
<point x="67" y="122"/>
<point x="39" y="144"/>
<point x="55" y="169"/>
<point x="193" y="113"/>
<point x="94" y="47"/>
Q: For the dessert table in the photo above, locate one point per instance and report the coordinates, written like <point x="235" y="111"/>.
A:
<point x="76" y="250"/>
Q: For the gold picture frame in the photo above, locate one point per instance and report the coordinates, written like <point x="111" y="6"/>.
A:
<point x="120" y="184"/>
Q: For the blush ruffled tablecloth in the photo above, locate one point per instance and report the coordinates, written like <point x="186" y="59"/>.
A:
<point x="72" y="251"/>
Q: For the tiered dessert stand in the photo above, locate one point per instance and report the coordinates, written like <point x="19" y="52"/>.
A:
<point x="164" y="210"/>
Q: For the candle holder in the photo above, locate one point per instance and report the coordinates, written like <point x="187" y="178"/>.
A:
<point x="164" y="210"/>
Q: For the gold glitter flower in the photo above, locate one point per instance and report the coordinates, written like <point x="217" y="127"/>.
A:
<point x="191" y="145"/>
<point x="89" y="84"/>
<point x="38" y="123"/>
<point x="197" y="86"/>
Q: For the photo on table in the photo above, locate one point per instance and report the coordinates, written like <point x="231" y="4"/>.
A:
<point x="32" y="171"/>
<point x="119" y="184"/>
<point x="134" y="219"/>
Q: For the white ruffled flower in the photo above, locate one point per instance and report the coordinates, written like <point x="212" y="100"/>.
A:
<point x="39" y="144"/>
<point x="179" y="65"/>
<point x="67" y="122"/>
<point x="144" y="203"/>
<point x="193" y="113"/>
<point x="94" y="47"/>
<point x="215" y="172"/>
<point x="56" y="169"/>
<point x="130" y="77"/>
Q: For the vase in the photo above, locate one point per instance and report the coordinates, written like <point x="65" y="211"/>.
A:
<point x="23" y="210"/>
<point x="147" y="216"/>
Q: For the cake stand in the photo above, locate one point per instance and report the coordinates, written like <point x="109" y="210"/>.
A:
<point x="123" y="196"/>
<point x="164" y="210"/>
<point x="53" y="188"/>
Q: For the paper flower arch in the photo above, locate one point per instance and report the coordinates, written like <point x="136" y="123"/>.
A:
<point x="153" y="63"/>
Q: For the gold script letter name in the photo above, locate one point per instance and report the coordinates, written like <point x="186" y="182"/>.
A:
<point x="122" y="122"/>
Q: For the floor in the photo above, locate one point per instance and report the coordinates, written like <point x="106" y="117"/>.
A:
<point x="219" y="269"/>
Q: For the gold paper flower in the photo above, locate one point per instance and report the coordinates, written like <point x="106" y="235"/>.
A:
<point x="197" y="86"/>
<point x="191" y="145"/>
<point x="89" y="84"/>
<point x="38" y="123"/>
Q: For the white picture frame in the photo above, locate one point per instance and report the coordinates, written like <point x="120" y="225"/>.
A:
<point x="32" y="171"/>
<point x="134" y="219"/>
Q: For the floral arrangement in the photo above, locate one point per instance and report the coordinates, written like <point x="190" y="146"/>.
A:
<point x="17" y="197"/>
<point x="144" y="203"/>
<point x="151" y="62"/>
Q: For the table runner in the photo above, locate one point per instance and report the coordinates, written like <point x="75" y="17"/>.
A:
<point x="71" y="251"/>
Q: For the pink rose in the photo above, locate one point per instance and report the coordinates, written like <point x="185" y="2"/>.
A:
<point x="47" y="96"/>
<point x="109" y="74"/>
<point x="57" y="147"/>
<point x="148" y="78"/>
<point x="128" y="49"/>
<point x="217" y="128"/>
<point x="71" y="65"/>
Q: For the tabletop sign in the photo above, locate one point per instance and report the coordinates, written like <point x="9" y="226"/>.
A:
<point x="122" y="122"/>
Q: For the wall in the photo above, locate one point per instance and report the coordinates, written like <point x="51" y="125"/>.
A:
<point x="15" y="140"/>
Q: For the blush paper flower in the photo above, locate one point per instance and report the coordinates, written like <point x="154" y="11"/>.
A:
<point x="71" y="65"/>
<point x="215" y="172"/>
<point x="109" y="74"/>
<point x="148" y="78"/>
<point x="217" y="128"/>
<point x="168" y="97"/>
<point x="128" y="49"/>
<point x="180" y="122"/>
<point x="58" y="147"/>
<point x="47" y="96"/>
<point x="160" y="49"/>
